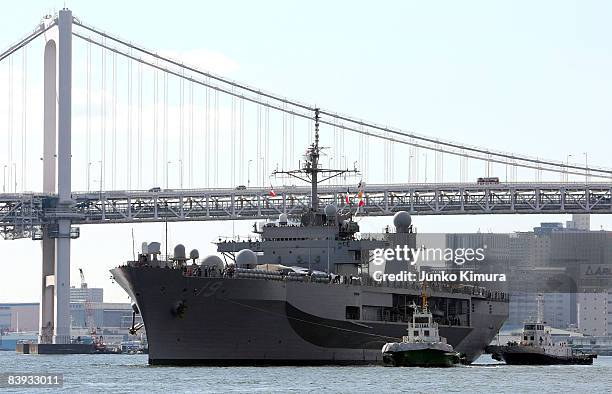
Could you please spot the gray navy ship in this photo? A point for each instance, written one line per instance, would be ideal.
(298, 292)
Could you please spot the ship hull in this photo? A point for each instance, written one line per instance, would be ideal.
(226, 321)
(421, 358)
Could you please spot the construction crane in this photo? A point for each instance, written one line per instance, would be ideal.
(89, 314)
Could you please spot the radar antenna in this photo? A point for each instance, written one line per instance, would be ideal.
(310, 171)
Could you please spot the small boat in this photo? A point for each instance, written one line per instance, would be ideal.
(423, 346)
(538, 348)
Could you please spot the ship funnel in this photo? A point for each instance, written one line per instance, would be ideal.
(144, 248)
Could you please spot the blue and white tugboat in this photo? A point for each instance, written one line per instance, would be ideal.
(423, 346)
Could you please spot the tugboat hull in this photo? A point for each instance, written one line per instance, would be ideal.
(421, 358)
(517, 355)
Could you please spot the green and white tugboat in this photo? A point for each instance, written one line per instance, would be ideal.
(423, 346)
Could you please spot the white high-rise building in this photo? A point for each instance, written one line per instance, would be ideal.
(592, 311)
(580, 222)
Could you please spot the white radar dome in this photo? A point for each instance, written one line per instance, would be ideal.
(330, 210)
(246, 258)
(213, 261)
(282, 218)
(194, 254)
(154, 248)
(402, 221)
(179, 252)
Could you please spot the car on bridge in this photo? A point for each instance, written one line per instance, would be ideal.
(488, 181)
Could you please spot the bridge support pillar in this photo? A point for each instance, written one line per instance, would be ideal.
(47, 312)
(62, 284)
(64, 126)
(55, 297)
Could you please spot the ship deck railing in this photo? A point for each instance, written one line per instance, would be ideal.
(195, 270)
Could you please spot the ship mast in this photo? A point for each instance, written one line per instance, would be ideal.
(424, 295)
(310, 171)
(540, 299)
(313, 155)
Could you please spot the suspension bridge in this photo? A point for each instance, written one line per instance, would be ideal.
(147, 138)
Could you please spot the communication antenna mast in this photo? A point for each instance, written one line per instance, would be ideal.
(310, 171)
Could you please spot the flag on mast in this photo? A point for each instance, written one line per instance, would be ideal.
(346, 197)
(272, 193)
(360, 194)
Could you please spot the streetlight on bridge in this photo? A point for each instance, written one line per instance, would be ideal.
(249, 173)
(586, 164)
(181, 172)
(263, 173)
(15, 176)
(167, 164)
(567, 168)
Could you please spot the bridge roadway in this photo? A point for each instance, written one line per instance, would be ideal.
(24, 212)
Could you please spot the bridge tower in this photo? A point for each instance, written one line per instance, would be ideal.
(55, 295)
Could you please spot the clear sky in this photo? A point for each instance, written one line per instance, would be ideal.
(521, 76)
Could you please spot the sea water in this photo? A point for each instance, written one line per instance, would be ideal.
(131, 373)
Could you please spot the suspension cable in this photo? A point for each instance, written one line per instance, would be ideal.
(557, 166)
(165, 138)
(24, 132)
(114, 142)
(194, 70)
(233, 140)
(103, 123)
(40, 29)
(191, 136)
(10, 124)
(348, 118)
(139, 147)
(241, 173)
(155, 121)
(216, 138)
(88, 119)
(207, 138)
(259, 163)
(129, 126)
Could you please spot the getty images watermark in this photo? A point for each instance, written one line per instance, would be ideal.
(412, 256)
